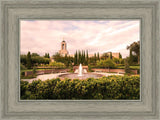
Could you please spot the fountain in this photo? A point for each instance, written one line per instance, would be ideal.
(80, 73)
(80, 70)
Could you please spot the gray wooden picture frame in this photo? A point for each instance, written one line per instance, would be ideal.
(12, 11)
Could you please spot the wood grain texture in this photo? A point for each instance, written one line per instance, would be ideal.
(12, 11)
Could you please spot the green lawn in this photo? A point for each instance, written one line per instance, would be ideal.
(132, 67)
(135, 67)
(32, 69)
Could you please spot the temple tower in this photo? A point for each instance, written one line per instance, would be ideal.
(63, 50)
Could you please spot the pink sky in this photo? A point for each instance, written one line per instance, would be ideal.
(45, 36)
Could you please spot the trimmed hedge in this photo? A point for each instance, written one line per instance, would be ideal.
(110, 88)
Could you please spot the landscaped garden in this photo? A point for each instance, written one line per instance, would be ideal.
(121, 76)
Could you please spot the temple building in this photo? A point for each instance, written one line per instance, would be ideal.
(65, 52)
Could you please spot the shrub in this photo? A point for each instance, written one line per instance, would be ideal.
(57, 64)
(22, 73)
(110, 88)
(22, 67)
(34, 70)
(127, 69)
(108, 63)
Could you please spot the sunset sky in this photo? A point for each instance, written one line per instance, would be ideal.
(45, 36)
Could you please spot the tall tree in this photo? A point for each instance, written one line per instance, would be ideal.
(75, 58)
(98, 56)
(135, 48)
(111, 55)
(29, 62)
(79, 57)
(87, 57)
(48, 55)
(130, 61)
(105, 56)
(95, 57)
(120, 56)
(35, 54)
(84, 57)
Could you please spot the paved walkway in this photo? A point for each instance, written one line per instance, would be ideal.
(44, 77)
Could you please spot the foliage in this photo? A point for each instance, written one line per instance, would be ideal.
(90, 68)
(116, 60)
(67, 60)
(57, 64)
(127, 69)
(111, 87)
(98, 58)
(120, 56)
(24, 87)
(46, 55)
(34, 70)
(80, 57)
(105, 56)
(110, 55)
(83, 58)
(134, 67)
(34, 54)
(38, 60)
(108, 63)
(27, 77)
(22, 67)
(33, 59)
(23, 59)
(134, 49)
(29, 62)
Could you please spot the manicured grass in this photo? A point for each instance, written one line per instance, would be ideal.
(132, 67)
(28, 77)
(32, 70)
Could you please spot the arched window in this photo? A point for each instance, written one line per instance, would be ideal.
(62, 46)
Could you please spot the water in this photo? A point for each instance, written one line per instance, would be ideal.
(81, 74)
(80, 70)
(84, 76)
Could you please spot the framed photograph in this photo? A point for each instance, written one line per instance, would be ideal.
(79, 59)
(97, 62)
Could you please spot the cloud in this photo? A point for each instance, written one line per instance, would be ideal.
(43, 36)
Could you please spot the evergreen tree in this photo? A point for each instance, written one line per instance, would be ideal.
(79, 57)
(87, 57)
(75, 58)
(29, 62)
(48, 55)
(95, 57)
(98, 56)
(84, 58)
(111, 55)
(35, 54)
(120, 56)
